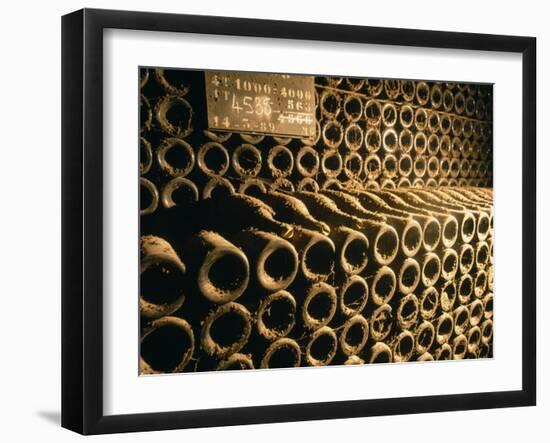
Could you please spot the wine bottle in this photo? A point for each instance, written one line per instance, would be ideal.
(292, 210)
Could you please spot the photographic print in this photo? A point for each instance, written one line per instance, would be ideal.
(292, 220)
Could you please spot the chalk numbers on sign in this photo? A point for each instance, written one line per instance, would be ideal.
(269, 103)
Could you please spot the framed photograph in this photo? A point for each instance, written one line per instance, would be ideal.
(270, 221)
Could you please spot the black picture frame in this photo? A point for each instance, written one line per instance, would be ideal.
(82, 218)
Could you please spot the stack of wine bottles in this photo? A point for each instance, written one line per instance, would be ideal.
(266, 252)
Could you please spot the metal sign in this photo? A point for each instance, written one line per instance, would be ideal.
(261, 103)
